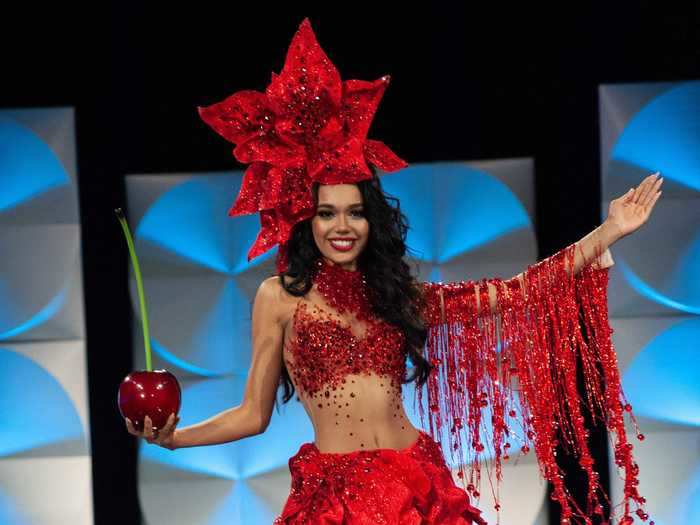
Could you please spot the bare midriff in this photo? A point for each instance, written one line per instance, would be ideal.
(347, 374)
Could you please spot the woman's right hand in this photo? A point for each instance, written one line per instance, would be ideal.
(164, 437)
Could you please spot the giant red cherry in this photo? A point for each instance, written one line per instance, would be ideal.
(155, 394)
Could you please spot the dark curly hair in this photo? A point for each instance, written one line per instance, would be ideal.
(397, 298)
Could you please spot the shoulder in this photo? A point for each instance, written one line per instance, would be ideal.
(272, 287)
(273, 297)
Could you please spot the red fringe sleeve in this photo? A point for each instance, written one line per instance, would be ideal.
(518, 366)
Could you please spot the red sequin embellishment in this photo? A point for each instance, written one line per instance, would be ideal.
(516, 365)
(520, 365)
(307, 126)
(380, 486)
(345, 290)
(326, 348)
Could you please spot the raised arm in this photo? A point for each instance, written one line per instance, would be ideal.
(252, 416)
(443, 298)
(626, 214)
(515, 365)
(593, 249)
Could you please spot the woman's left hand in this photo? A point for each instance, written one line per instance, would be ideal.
(628, 212)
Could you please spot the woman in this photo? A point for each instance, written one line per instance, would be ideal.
(344, 312)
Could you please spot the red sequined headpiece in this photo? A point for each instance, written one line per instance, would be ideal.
(309, 126)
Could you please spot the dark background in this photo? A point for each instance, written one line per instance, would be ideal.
(469, 82)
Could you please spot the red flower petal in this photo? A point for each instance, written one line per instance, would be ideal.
(343, 164)
(307, 92)
(269, 148)
(273, 189)
(314, 130)
(276, 227)
(253, 187)
(382, 157)
(287, 218)
(289, 190)
(267, 236)
(240, 116)
(359, 104)
(296, 190)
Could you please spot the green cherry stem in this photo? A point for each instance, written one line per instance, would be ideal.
(139, 285)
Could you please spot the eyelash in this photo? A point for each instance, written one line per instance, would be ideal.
(321, 213)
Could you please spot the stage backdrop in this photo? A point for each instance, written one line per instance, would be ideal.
(45, 464)
(655, 292)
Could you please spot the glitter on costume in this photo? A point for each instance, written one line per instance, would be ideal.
(308, 126)
(518, 365)
(381, 486)
(326, 349)
(515, 366)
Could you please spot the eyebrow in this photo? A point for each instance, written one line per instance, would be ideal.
(326, 205)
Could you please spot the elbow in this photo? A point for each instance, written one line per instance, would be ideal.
(255, 417)
(265, 422)
(258, 423)
(262, 425)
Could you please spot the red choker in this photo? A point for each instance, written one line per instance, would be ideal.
(344, 290)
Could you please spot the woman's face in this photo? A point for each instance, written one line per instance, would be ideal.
(340, 228)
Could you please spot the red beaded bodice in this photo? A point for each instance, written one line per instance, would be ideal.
(342, 336)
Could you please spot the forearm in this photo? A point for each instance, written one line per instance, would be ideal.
(230, 425)
(593, 245)
(588, 248)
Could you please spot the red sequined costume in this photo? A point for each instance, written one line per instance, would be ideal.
(516, 363)
(519, 363)
(348, 366)
(513, 364)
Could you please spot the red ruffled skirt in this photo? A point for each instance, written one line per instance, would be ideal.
(412, 486)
